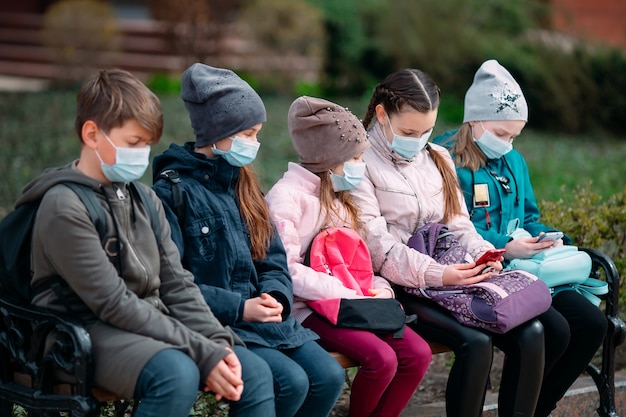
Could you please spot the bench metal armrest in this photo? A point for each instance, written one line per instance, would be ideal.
(46, 360)
(604, 378)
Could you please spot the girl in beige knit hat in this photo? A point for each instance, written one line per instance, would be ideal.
(312, 196)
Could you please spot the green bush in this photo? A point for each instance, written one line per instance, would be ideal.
(592, 222)
(286, 40)
(571, 89)
(80, 35)
(162, 83)
(570, 86)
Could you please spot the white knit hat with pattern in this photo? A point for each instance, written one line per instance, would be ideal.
(494, 95)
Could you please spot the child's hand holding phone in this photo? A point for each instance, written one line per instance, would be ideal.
(553, 236)
(492, 255)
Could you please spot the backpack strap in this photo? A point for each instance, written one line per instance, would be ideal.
(98, 218)
(151, 209)
(96, 213)
(93, 206)
(174, 178)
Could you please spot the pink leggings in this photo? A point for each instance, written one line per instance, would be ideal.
(389, 369)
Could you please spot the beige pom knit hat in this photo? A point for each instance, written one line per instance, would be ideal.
(324, 134)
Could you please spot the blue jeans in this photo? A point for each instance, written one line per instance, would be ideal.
(167, 386)
(307, 380)
(257, 398)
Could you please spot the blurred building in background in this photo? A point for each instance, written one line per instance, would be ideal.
(41, 39)
(64, 39)
(597, 21)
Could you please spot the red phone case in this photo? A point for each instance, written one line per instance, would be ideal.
(490, 255)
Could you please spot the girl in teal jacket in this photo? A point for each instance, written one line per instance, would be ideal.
(497, 189)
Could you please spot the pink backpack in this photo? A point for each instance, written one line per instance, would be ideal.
(343, 255)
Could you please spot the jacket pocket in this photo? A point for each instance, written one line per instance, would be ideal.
(204, 235)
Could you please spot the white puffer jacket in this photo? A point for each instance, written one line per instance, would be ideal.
(396, 198)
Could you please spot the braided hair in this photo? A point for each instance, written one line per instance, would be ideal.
(416, 89)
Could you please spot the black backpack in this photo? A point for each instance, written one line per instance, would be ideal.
(16, 235)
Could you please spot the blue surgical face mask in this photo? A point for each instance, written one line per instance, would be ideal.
(130, 163)
(242, 152)
(353, 173)
(492, 146)
(408, 146)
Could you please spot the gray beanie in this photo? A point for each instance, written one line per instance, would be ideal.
(219, 103)
(494, 95)
(324, 134)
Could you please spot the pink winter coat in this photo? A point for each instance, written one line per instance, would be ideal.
(396, 198)
(295, 209)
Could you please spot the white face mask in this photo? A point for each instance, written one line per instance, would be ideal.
(492, 146)
(353, 173)
(130, 163)
(408, 146)
(241, 153)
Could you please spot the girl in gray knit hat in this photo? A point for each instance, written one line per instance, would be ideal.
(313, 196)
(409, 183)
(498, 192)
(220, 222)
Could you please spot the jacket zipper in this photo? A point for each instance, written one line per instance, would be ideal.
(121, 196)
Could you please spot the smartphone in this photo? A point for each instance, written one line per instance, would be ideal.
(491, 255)
(550, 236)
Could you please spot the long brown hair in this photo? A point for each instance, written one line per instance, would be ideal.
(327, 196)
(465, 151)
(254, 211)
(416, 89)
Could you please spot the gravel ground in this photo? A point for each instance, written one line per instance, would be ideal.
(432, 388)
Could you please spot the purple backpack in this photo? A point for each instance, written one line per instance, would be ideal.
(497, 304)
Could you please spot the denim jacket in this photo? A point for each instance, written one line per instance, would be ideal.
(214, 243)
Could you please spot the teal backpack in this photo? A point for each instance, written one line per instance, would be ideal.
(564, 268)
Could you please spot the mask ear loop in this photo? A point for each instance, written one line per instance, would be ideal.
(111, 143)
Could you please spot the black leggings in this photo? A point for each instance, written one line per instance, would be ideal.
(572, 337)
(473, 351)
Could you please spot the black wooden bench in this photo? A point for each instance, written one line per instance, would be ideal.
(47, 368)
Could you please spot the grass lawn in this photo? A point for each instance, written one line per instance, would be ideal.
(36, 131)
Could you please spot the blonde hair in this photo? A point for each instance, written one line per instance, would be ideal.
(464, 150)
(254, 211)
(115, 96)
(416, 89)
(327, 198)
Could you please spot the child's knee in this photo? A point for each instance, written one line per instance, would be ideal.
(336, 375)
(186, 376)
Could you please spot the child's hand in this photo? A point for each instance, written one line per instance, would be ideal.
(524, 248)
(225, 379)
(465, 274)
(380, 292)
(263, 309)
